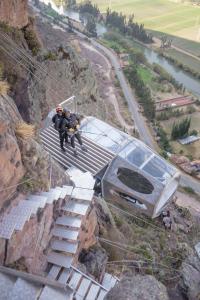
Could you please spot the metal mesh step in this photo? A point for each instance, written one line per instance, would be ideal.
(83, 289)
(76, 208)
(42, 200)
(109, 281)
(56, 192)
(93, 291)
(64, 191)
(69, 221)
(82, 194)
(64, 276)
(6, 285)
(53, 273)
(101, 295)
(75, 279)
(60, 259)
(50, 293)
(64, 233)
(24, 290)
(50, 196)
(64, 246)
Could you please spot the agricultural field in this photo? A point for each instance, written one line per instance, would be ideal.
(165, 16)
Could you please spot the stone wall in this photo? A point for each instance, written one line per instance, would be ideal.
(14, 12)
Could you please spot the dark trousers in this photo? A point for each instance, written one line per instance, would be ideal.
(63, 136)
(78, 137)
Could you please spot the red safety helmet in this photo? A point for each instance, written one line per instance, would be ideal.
(59, 109)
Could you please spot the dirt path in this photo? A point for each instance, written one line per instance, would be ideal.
(102, 63)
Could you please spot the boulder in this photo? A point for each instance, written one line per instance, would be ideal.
(95, 260)
(190, 277)
(138, 288)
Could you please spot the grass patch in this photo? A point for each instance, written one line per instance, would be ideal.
(145, 75)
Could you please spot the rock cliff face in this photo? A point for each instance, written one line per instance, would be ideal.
(14, 12)
(11, 167)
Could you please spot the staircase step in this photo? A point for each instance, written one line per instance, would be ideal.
(53, 273)
(76, 208)
(7, 227)
(50, 293)
(108, 281)
(42, 200)
(93, 291)
(64, 246)
(82, 194)
(59, 259)
(56, 193)
(50, 196)
(75, 279)
(6, 285)
(69, 221)
(84, 181)
(65, 233)
(69, 189)
(24, 290)
(102, 295)
(20, 220)
(64, 276)
(26, 208)
(83, 289)
(65, 191)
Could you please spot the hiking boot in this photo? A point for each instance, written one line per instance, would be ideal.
(83, 148)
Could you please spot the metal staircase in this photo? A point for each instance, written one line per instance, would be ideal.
(16, 285)
(20, 214)
(93, 160)
(65, 234)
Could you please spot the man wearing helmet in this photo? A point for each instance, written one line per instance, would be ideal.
(57, 120)
(71, 124)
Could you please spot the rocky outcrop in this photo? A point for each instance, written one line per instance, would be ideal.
(190, 278)
(95, 259)
(11, 167)
(14, 12)
(138, 287)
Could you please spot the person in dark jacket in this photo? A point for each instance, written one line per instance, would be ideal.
(57, 120)
(71, 124)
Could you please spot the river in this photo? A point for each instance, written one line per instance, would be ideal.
(191, 83)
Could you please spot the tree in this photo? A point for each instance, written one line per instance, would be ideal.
(91, 26)
(181, 129)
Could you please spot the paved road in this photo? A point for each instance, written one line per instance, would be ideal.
(131, 101)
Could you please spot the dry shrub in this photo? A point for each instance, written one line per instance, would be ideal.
(25, 130)
(4, 87)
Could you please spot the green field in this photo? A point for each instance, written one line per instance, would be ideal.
(179, 19)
